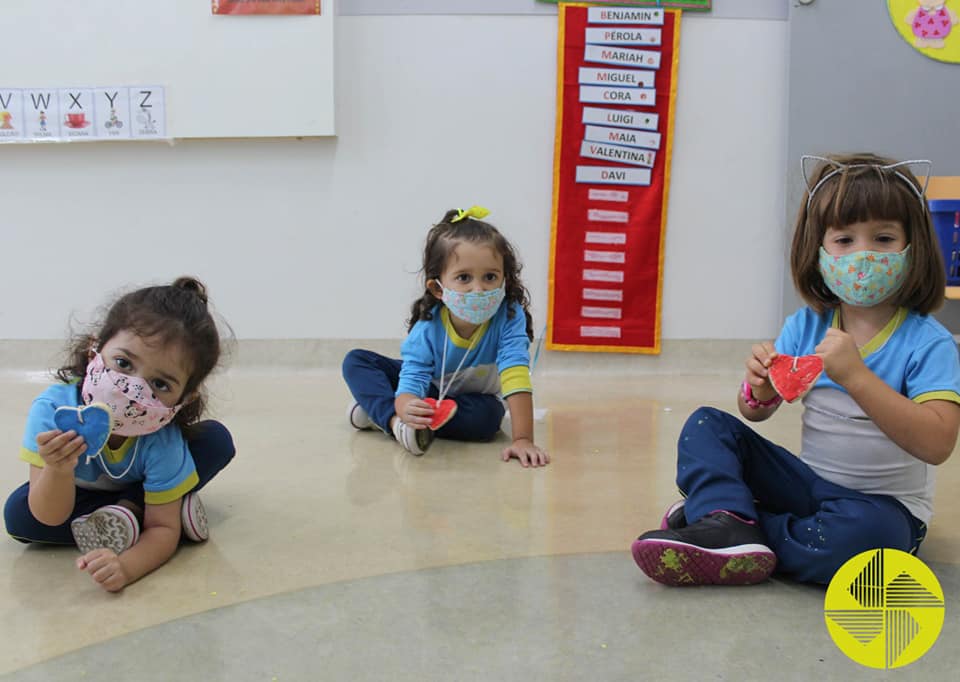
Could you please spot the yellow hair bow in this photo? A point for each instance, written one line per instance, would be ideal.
(478, 212)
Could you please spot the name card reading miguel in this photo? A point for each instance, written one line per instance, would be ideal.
(82, 114)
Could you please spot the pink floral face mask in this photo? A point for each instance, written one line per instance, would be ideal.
(136, 409)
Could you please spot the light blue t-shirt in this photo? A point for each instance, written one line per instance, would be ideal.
(161, 461)
(496, 359)
(914, 355)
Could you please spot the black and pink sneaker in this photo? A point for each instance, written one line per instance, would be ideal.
(719, 549)
(674, 517)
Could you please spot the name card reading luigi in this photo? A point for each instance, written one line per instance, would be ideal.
(621, 118)
(76, 114)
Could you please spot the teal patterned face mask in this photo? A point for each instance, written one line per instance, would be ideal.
(864, 278)
(475, 307)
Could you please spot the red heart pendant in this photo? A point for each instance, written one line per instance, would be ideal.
(443, 411)
(792, 377)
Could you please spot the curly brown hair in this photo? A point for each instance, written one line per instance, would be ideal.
(173, 314)
(865, 190)
(443, 239)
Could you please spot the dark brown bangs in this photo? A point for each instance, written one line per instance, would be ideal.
(878, 195)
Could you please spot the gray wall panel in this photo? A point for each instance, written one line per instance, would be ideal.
(722, 9)
(856, 85)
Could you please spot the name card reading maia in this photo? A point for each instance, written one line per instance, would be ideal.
(622, 136)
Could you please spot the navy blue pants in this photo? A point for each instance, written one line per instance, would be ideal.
(373, 380)
(812, 525)
(210, 444)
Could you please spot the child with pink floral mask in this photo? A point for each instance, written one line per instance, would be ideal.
(126, 504)
(468, 342)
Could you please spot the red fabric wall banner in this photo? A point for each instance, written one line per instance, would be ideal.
(615, 101)
(266, 6)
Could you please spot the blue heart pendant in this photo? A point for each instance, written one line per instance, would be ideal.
(92, 422)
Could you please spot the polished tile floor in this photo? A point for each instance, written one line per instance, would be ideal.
(334, 555)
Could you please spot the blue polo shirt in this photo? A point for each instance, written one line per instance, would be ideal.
(161, 461)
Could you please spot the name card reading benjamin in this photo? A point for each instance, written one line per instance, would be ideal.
(624, 15)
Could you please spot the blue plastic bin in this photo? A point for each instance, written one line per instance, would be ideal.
(946, 222)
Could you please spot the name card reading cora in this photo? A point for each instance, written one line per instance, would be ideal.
(594, 94)
(611, 175)
(622, 136)
(622, 56)
(623, 15)
(612, 152)
(627, 78)
(624, 36)
(621, 118)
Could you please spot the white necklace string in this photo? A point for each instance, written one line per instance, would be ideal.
(446, 386)
(106, 469)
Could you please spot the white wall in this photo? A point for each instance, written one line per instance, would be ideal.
(321, 238)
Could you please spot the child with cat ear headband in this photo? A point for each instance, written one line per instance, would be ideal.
(884, 412)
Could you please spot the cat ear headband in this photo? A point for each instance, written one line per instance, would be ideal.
(807, 166)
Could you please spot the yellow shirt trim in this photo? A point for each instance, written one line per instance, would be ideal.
(882, 336)
(165, 496)
(515, 380)
(116, 456)
(455, 338)
(949, 396)
(31, 457)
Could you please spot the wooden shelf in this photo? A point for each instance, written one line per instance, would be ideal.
(953, 293)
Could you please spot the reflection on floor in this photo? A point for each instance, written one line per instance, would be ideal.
(334, 551)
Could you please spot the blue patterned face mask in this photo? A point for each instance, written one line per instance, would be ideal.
(864, 278)
(475, 307)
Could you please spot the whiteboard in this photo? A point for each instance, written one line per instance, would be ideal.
(223, 76)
